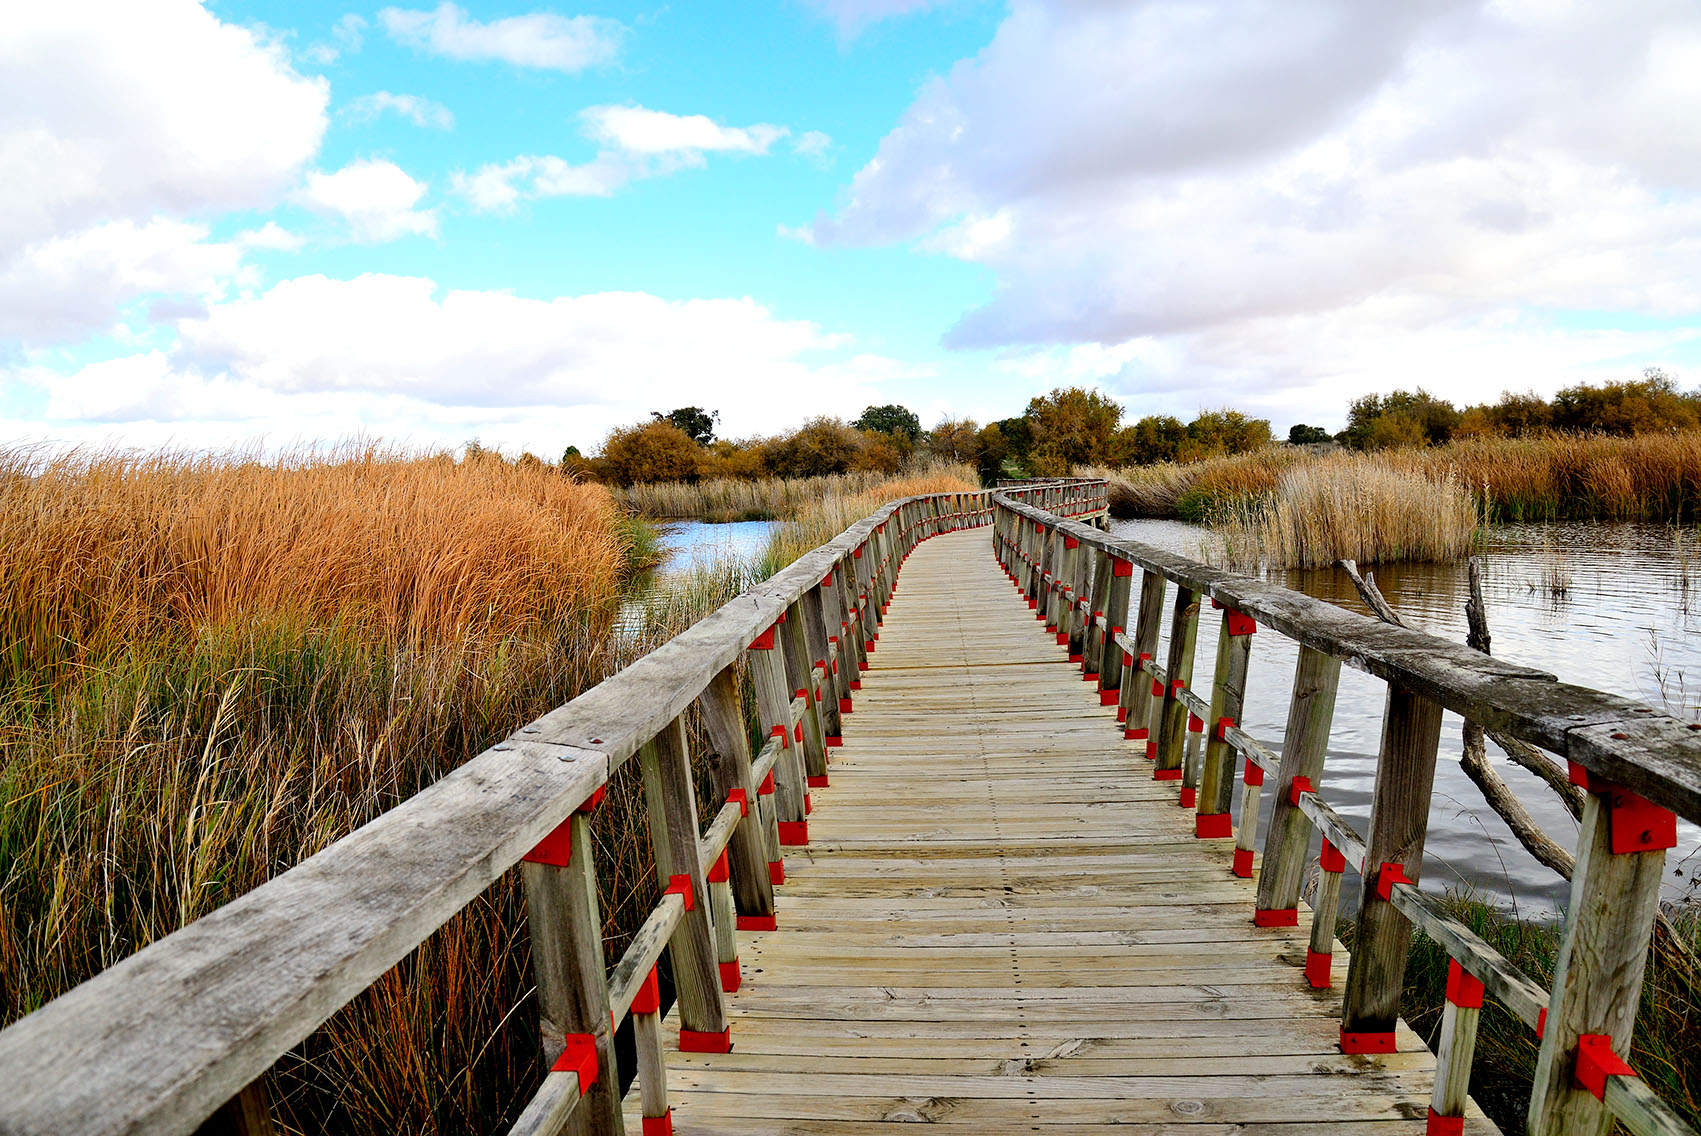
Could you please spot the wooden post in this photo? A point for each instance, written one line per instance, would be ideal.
(248, 1113)
(1136, 705)
(1455, 1047)
(1311, 710)
(1119, 575)
(1092, 635)
(723, 718)
(853, 657)
(1169, 717)
(818, 617)
(1399, 818)
(1191, 760)
(723, 920)
(652, 1063)
(1320, 955)
(1228, 692)
(800, 664)
(670, 793)
(1597, 979)
(560, 882)
(773, 706)
(1080, 591)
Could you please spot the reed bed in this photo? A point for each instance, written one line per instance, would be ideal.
(1342, 509)
(739, 499)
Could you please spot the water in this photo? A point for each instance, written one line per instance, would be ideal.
(1626, 622)
(698, 543)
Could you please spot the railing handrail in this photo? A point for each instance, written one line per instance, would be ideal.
(161, 1039)
(1620, 739)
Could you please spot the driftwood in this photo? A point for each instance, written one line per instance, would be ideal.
(1474, 760)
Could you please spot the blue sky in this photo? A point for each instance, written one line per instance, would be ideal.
(528, 223)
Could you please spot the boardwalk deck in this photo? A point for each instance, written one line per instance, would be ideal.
(1001, 920)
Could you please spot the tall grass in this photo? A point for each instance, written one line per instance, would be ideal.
(740, 499)
(1339, 508)
(213, 667)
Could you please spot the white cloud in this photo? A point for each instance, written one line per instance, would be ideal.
(350, 34)
(271, 236)
(119, 124)
(1294, 194)
(639, 130)
(65, 287)
(812, 144)
(637, 143)
(397, 356)
(376, 197)
(417, 110)
(499, 187)
(541, 40)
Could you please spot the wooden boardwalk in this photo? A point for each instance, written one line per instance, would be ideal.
(1001, 920)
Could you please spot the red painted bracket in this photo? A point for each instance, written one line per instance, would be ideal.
(1070, 542)
(776, 871)
(1189, 798)
(579, 1056)
(1634, 823)
(1300, 785)
(1276, 917)
(1596, 1062)
(845, 703)
(757, 923)
(1195, 724)
(856, 684)
(1464, 989)
(1211, 826)
(1439, 1125)
(827, 580)
(1332, 860)
(1127, 659)
(681, 886)
(659, 1125)
(794, 832)
(732, 976)
(743, 800)
(1375, 1041)
(817, 781)
(1166, 775)
(1151, 749)
(696, 1041)
(1121, 567)
(590, 803)
(808, 807)
(1073, 658)
(1176, 686)
(766, 788)
(1135, 732)
(834, 741)
(1220, 730)
(1254, 773)
(1122, 714)
(1157, 689)
(1243, 863)
(1109, 697)
(556, 849)
(764, 641)
(1387, 876)
(1317, 967)
(1239, 623)
(718, 873)
(648, 998)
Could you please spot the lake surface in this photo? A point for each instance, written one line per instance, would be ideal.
(1627, 622)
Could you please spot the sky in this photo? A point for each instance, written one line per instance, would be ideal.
(261, 223)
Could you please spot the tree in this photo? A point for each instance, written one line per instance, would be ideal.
(1154, 438)
(1636, 406)
(1216, 432)
(1071, 426)
(955, 439)
(1300, 434)
(650, 451)
(820, 446)
(695, 422)
(890, 419)
(1398, 418)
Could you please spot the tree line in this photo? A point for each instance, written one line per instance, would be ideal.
(1072, 427)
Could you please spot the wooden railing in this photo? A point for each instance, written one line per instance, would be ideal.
(1638, 767)
(191, 1023)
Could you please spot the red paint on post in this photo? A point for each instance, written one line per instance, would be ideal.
(1596, 1062)
(757, 923)
(579, 1056)
(1189, 798)
(556, 849)
(718, 873)
(696, 1041)
(1276, 917)
(681, 886)
(1368, 1042)
(1243, 863)
(1300, 785)
(732, 976)
(648, 998)
(1332, 860)
(794, 832)
(1463, 988)
(1439, 1125)
(1387, 876)
(1212, 826)
(1317, 967)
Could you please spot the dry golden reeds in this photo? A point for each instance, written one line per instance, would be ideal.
(742, 499)
(830, 514)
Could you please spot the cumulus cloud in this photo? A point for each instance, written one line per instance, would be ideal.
(111, 144)
(541, 40)
(400, 356)
(417, 110)
(1274, 191)
(636, 143)
(375, 196)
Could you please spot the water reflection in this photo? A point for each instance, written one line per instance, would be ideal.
(1623, 621)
